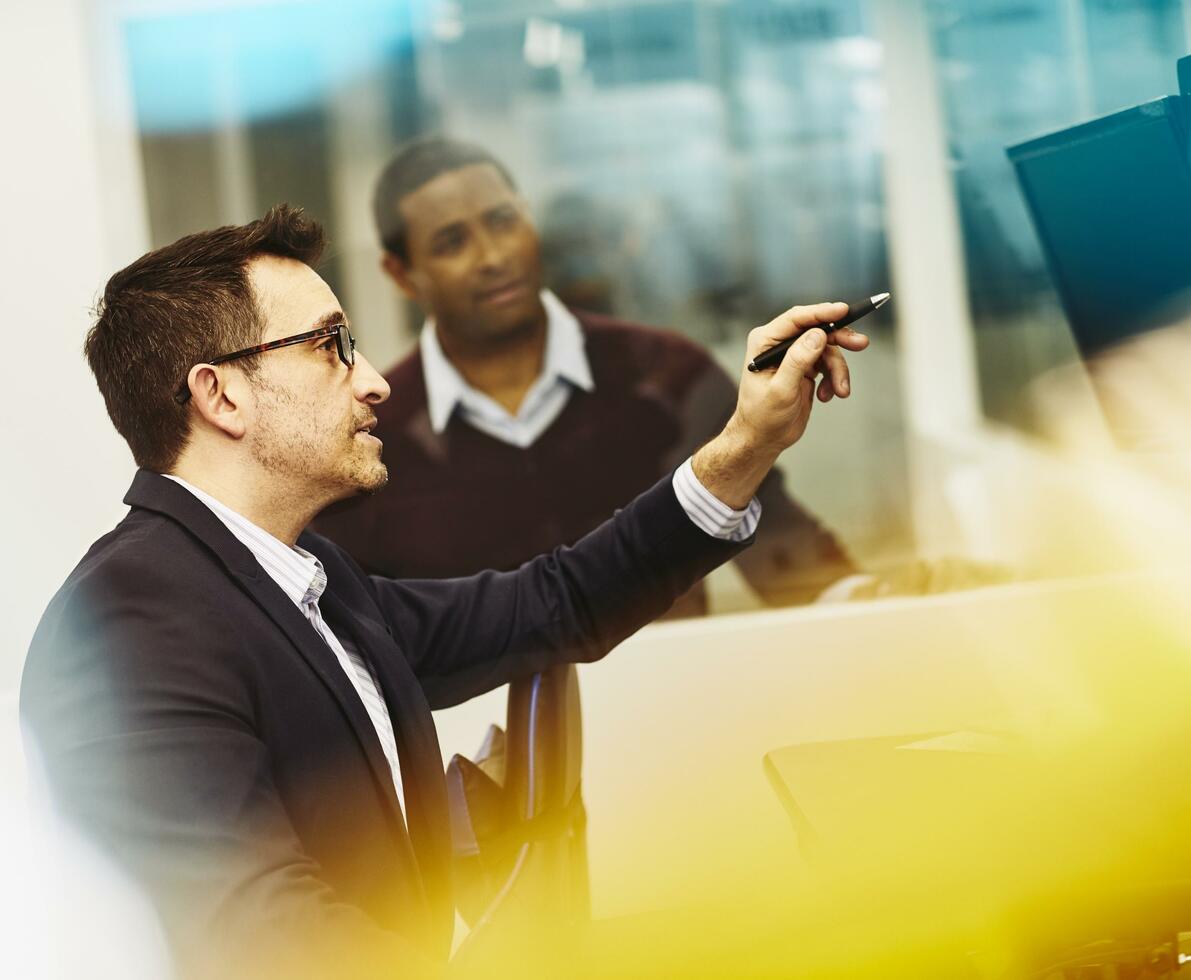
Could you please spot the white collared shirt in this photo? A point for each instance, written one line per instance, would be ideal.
(300, 575)
(564, 368)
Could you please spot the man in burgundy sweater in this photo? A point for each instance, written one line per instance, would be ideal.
(521, 424)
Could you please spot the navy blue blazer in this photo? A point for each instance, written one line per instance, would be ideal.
(197, 728)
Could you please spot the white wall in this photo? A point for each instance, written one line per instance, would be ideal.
(66, 469)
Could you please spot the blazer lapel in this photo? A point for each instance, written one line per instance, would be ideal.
(153, 492)
(417, 741)
(319, 656)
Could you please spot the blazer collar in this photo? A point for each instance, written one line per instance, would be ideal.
(151, 491)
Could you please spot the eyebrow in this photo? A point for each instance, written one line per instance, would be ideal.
(334, 318)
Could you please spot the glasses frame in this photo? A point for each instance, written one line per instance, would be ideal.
(345, 344)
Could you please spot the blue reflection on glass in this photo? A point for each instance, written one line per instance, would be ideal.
(194, 71)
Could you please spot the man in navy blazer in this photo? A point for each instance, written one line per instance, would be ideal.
(229, 706)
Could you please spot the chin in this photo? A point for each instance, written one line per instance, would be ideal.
(512, 322)
(374, 480)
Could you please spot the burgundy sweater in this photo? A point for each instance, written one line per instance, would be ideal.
(463, 501)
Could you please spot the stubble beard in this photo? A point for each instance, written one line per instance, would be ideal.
(370, 476)
(293, 453)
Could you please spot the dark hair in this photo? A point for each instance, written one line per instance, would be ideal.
(416, 163)
(178, 306)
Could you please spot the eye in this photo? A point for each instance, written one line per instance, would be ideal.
(447, 243)
(327, 345)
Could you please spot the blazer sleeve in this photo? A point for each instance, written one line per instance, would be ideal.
(168, 776)
(469, 635)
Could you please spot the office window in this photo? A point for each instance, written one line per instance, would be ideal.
(693, 164)
(1011, 72)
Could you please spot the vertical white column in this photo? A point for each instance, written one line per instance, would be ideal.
(1186, 5)
(361, 143)
(1075, 23)
(233, 151)
(935, 338)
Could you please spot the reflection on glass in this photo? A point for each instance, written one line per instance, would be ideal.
(1012, 72)
(693, 164)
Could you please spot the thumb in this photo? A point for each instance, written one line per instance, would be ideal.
(800, 359)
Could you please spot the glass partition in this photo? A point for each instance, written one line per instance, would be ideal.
(692, 164)
(1009, 73)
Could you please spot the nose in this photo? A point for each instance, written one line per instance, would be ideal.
(368, 386)
(491, 252)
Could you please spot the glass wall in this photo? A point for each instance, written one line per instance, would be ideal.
(698, 164)
(1011, 72)
(692, 164)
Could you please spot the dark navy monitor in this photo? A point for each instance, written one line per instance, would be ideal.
(1111, 202)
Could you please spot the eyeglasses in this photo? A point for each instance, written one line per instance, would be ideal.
(345, 344)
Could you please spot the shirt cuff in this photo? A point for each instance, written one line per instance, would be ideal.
(709, 513)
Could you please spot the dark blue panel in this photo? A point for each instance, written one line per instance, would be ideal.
(1111, 201)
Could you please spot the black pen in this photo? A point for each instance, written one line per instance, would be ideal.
(773, 356)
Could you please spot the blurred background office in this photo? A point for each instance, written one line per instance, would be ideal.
(694, 164)
(698, 164)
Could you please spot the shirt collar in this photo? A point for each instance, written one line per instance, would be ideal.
(565, 358)
(295, 570)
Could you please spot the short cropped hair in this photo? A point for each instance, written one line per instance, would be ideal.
(416, 163)
(178, 306)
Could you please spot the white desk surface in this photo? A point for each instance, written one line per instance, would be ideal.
(678, 719)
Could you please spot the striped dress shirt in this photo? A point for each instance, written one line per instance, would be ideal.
(300, 575)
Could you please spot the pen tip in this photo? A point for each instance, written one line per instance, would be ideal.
(880, 299)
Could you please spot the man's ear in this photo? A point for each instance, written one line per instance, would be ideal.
(216, 403)
(400, 273)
